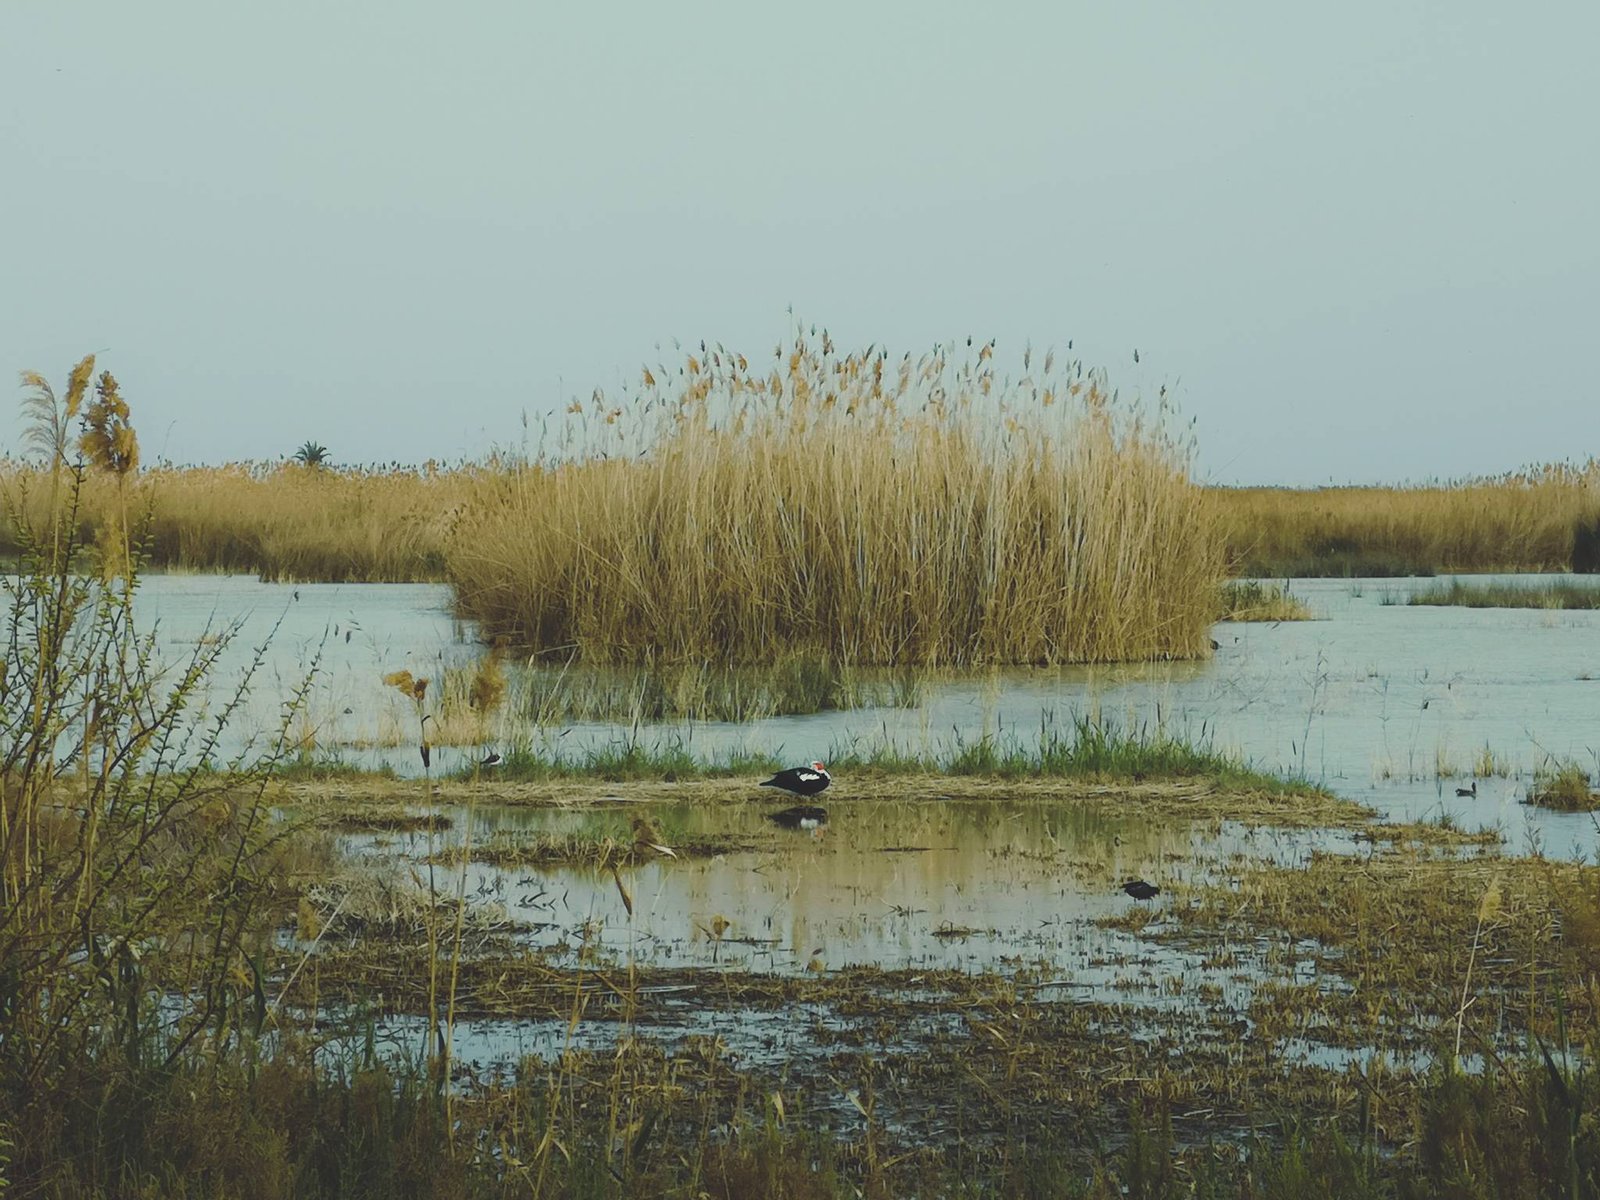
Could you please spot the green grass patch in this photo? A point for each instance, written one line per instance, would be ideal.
(1565, 787)
(1560, 594)
(1085, 749)
(625, 762)
(312, 769)
(1252, 600)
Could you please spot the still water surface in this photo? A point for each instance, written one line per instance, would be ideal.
(1385, 703)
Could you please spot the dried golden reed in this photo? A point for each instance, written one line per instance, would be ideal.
(283, 522)
(1521, 521)
(913, 511)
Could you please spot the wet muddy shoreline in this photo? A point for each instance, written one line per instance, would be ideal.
(1299, 955)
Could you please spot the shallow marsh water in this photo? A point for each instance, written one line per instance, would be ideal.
(964, 885)
(1382, 702)
(927, 940)
(893, 899)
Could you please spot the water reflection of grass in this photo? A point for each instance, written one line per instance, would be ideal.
(795, 683)
(533, 696)
(597, 849)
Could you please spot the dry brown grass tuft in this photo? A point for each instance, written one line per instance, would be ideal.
(921, 511)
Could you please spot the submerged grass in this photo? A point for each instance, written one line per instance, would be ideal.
(1529, 594)
(1252, 600)
(535, 694)
(590, 849)
(922, 511)
(1022, 1092)
(311, 767)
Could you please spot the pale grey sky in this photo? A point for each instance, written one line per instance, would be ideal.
(1362, 239)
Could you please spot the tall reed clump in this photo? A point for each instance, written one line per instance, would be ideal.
(1532, 520)
(919, 511)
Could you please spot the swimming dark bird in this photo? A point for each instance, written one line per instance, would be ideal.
(1140, 890)
(1468, 791)
(802, 781)
(801, 816)
(493, 759)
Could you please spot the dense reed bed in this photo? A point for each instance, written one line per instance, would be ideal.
(880, 511)
(281, 521)
(287, 521)
(290, 521)
(1542, 519)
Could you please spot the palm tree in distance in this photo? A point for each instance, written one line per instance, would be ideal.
(312, 454)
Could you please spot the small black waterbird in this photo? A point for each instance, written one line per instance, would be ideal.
(1468, 791)
(1140, 890)
(801, 816)
(802, 781)
(492, 759)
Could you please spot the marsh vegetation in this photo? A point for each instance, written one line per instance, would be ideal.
(1519, 594)
(228, 968)
(1565, 786)
(292, 521)
(890, 511)
(1542, 519)
(1252, 600)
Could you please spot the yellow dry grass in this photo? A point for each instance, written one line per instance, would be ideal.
(289, 522)
(284, 522)
(1523, 521)
(914, 511)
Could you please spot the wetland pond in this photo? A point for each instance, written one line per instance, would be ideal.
(943, 930)
(1384, 703)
